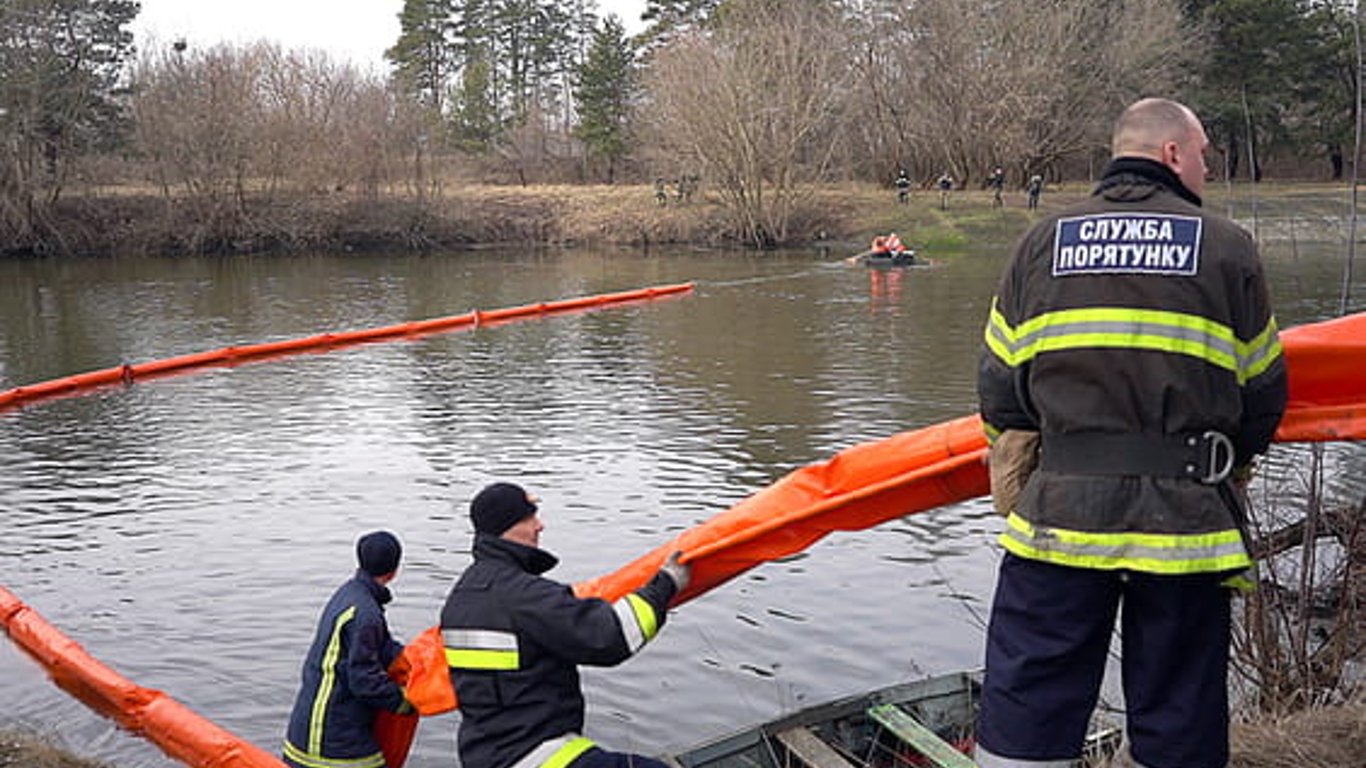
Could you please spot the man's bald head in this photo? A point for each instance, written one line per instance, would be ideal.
(1167, 132)
(1148, 124)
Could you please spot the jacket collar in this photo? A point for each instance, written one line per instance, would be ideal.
(1130, 170)
(530, 559)
(380, 592)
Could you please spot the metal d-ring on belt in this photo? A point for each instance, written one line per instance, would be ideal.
(1206, 457)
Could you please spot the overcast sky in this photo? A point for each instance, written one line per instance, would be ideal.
(355, 30)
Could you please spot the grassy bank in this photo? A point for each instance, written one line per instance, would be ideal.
(123, 220)
(111, 220)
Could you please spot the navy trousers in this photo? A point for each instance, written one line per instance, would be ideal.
(1046, 648)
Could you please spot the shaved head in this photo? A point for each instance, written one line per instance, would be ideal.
(1148, 124)
(1165, 131)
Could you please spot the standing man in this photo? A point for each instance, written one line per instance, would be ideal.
(997, 181)
(1033, 190)
(945, 184)
(1134, 334)
(903, 186)
(345, 682)
(514, 642)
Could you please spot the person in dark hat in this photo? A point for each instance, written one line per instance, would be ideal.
(515, 639)
(345, 679)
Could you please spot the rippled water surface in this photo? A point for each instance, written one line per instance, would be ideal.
(187, 530)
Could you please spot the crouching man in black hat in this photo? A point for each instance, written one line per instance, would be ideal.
(514, 641)
(344, 677)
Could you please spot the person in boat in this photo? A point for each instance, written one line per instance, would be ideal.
(515, 639)
(1156, 380)
(345, 683)
(890, 245)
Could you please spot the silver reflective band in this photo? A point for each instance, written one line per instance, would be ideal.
(479, 639)
(630, 625)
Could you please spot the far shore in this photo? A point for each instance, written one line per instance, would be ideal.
(110, 221)
(116, 221)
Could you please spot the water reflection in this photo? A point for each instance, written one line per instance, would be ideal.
(186, 530)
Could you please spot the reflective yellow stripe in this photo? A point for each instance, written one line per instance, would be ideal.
(991, 432)
(1161, 553)
(318, 761)
(645, 616)
(1262, 351)
(1126, 328)
(556, 752)
(1242, 581)
(568, 753)
(331, 657)
(477, 658)
(470, 648)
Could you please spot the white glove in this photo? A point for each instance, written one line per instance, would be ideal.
(681, 573)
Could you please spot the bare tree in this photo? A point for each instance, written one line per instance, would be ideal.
(756, 104)
(223, 126)
(1025, 83)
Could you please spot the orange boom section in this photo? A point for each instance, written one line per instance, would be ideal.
(943, 464)
(172, 726)
(1327, 365)
(127, 374)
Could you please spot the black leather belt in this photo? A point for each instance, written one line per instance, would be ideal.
(1206, 457)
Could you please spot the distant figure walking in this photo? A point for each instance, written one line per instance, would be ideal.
(945, 184)
(903, 186)
(996, 180)
(1034, 188)
(661, 194)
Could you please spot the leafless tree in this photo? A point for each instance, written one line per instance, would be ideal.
(970, 84)
(227, 124)
(755, 103)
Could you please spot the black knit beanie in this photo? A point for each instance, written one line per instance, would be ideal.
(378, 553)
(499, 507)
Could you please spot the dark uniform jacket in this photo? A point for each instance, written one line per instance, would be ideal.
(1125, 330)
(345, 682)
(514, 640)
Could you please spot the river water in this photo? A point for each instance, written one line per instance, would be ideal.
(187, 530)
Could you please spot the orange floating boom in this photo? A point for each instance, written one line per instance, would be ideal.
(176, 729)
(126, 374)
(878, 481)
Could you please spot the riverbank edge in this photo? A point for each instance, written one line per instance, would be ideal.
(107, 221)
(103, 222)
